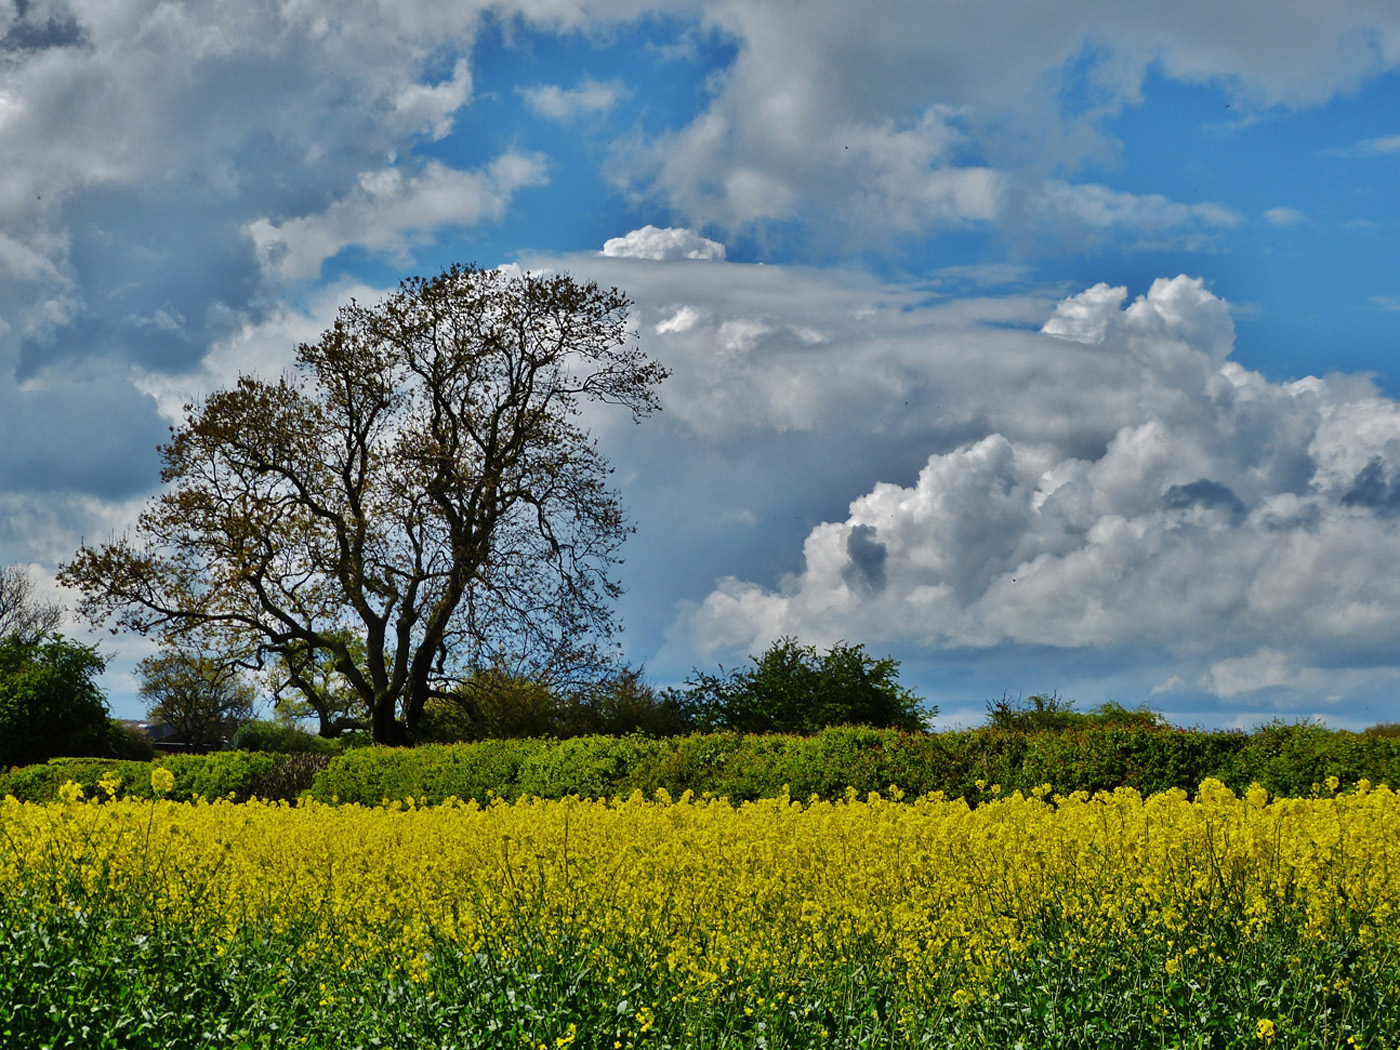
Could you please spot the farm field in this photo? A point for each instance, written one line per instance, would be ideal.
(864, 921)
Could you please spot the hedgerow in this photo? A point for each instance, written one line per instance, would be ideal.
(239, 775)
(1287, 760)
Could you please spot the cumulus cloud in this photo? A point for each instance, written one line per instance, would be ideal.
(1219, 517)
(664, 245)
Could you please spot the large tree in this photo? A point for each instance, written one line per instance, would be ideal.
(416, 497)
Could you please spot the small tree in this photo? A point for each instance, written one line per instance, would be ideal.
(1053, 713)
(624, 703)
(792, 688)
(419, 483)
(492, 703)
(203, 699)
(21, 613)
(50, 703)
(1037, 713)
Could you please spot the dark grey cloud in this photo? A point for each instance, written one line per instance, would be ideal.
(1375, 488)
(165, 273)
(34, 30)
(866, 570)
(96, 437)
(1207, 494)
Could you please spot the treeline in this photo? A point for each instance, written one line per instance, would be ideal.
(977, 765)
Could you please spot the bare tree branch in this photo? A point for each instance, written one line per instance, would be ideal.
(22, 614)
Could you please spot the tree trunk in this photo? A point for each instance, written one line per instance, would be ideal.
(385, 726)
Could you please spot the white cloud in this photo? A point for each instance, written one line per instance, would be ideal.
(1262, 669)
(683, 320)
(390, 209)
(1377, 147)
(1285, 217)
(433, 106)
(1194, 512)
(666, 245)
(563, 104)
(916, 120)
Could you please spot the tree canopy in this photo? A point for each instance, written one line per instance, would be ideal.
(793, 688)
(415, 497)
(50, 703)
(203, 698)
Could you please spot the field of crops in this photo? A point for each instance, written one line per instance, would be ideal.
(1042, 921)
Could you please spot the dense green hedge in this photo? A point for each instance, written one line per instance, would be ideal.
(1286, 759)
(239, 774)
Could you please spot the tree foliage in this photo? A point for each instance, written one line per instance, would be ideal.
(793, 688)
(420, 483)
(200, 696)
(50, 703)
(496, 703)
(21, 613)
(1041, 713)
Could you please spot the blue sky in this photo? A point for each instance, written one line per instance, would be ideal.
(1044, 346)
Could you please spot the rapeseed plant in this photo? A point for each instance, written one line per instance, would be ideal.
(885, 920)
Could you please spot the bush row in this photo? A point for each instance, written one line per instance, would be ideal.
(225, 774)
(1288, 760)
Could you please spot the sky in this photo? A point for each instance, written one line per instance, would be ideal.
(1043, 346)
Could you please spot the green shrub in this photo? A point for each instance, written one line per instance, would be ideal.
(290, 774)
(1289, 760)
(432, 771)
(124, 741)
(792, 688)
(282, 739)
(236, 774)
(492, 704)
(50, 703)
(620, 705)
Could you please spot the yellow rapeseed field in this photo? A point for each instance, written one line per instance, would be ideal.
(930, 893)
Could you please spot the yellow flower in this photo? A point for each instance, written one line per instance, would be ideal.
(71, 792)
(1266, 1030)
(1173, 966)
(162, 780)
(110, 782)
